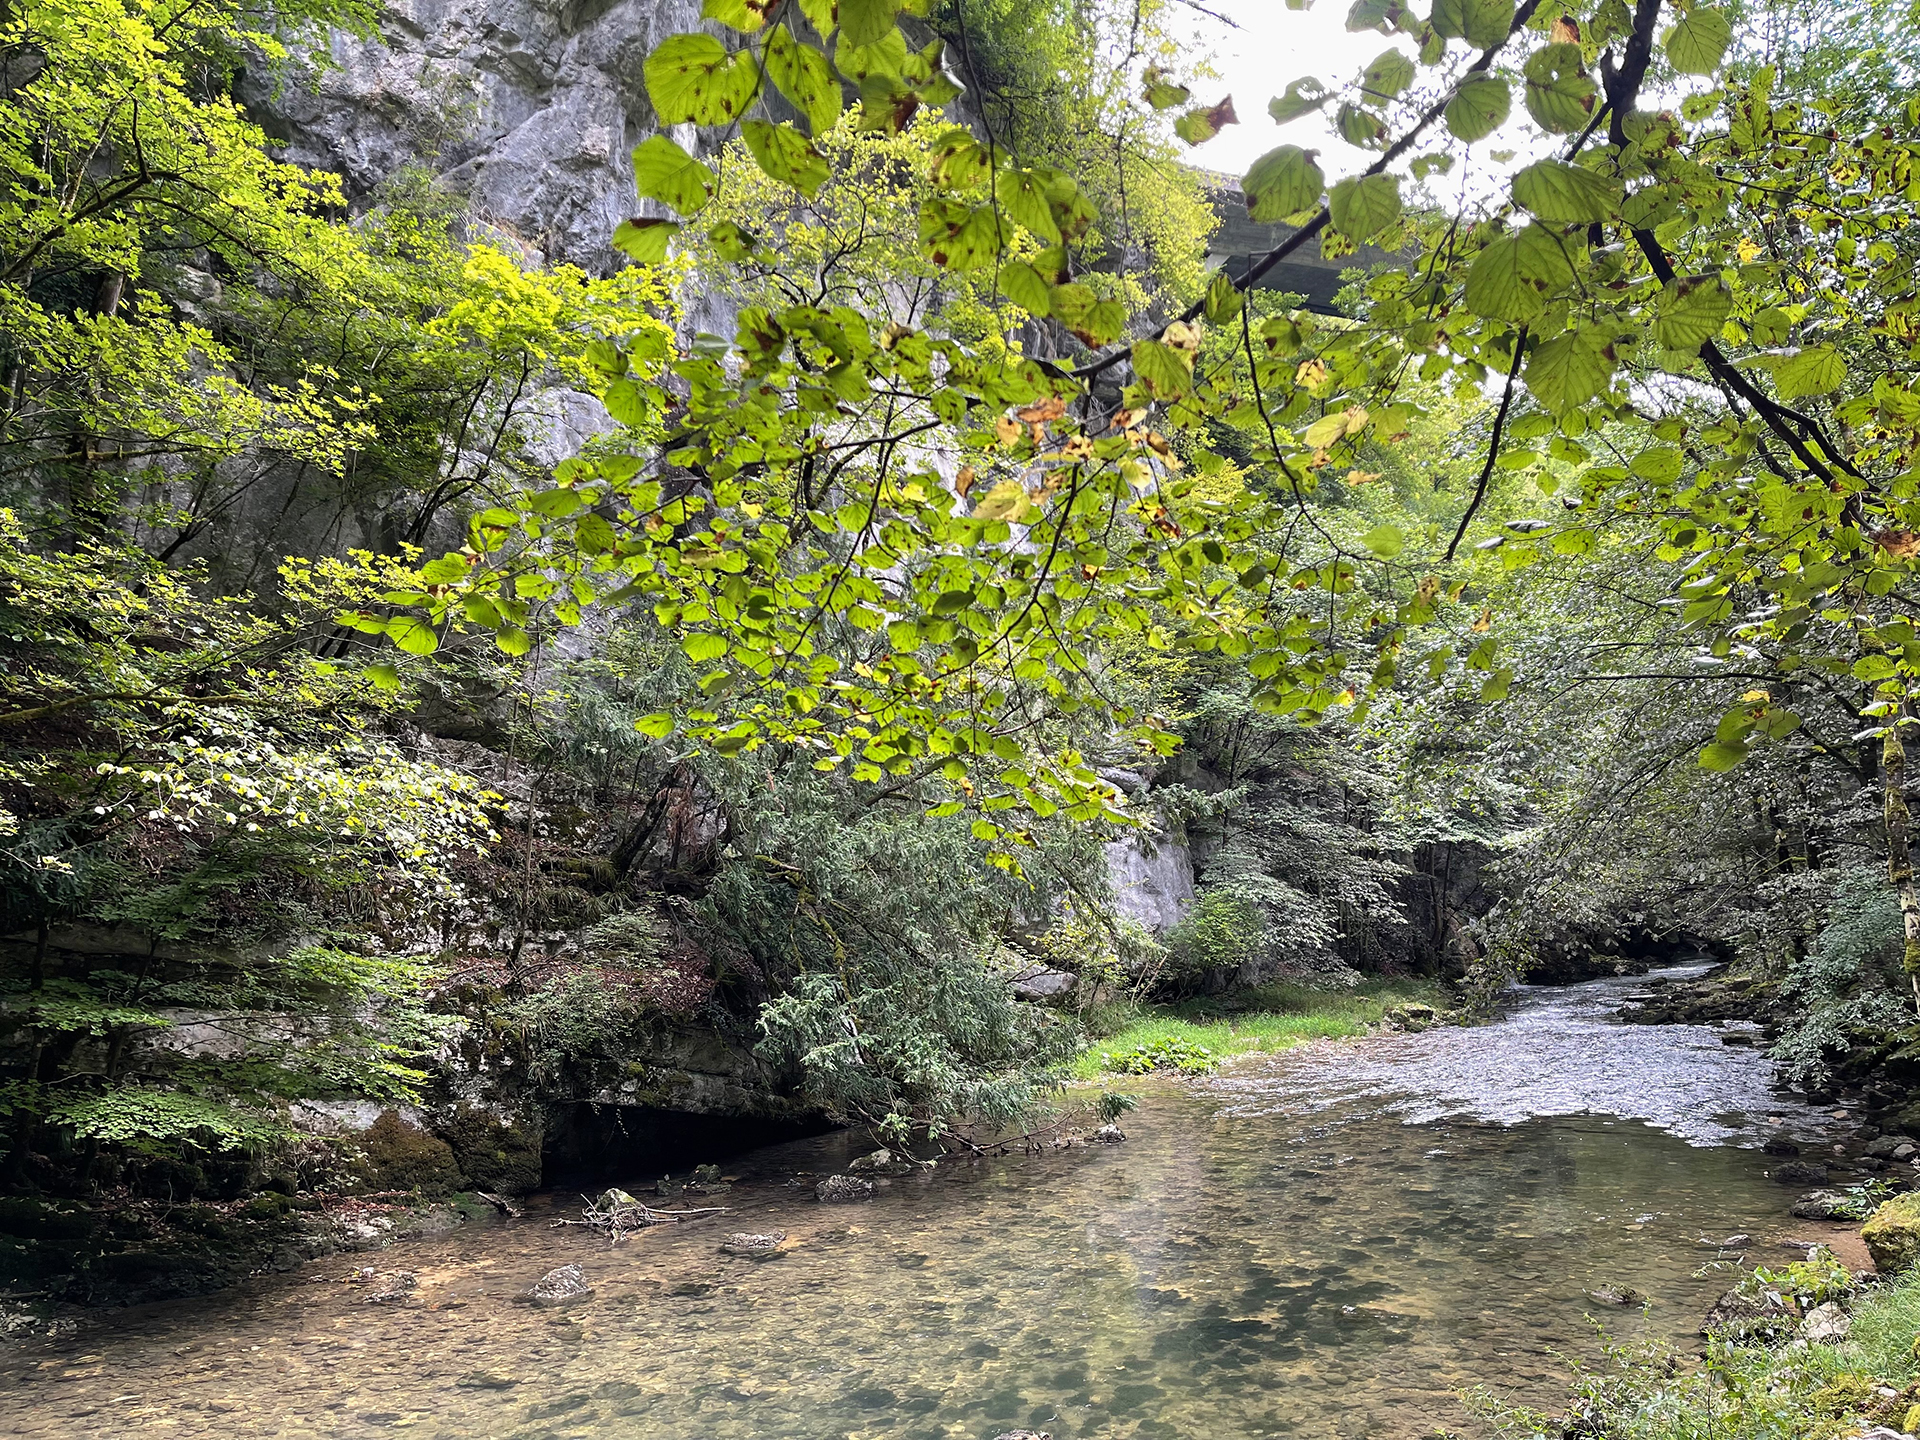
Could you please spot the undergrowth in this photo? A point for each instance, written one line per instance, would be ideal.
(1745, 1391)
(1271, 1017)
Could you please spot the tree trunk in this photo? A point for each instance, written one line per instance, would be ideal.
(1893, 766)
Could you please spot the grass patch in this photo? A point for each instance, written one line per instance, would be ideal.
(1272, 1017)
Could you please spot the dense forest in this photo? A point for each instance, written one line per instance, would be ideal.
(830, 627)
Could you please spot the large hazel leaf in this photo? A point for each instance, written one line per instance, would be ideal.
(786, 155)
(744, 15)
(1567, 371)
(1691, 311)
(1283, 182)
(644, 241)
(663, 171)
(1698, 42)
(1497, 286)
(1479, 107)
(1483, 24)
(1817, 370)
(801, 73)
(956, 237)
(692, 77)
(1565, 194)
(1364, 205)
(867, 22)
(1559, 92)
(1390, 73)
(1303, 97)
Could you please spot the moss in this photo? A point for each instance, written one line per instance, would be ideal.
(1893, 1234)
(397, 1156)
(493, 1154)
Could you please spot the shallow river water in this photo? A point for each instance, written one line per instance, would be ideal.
(1329, 1242)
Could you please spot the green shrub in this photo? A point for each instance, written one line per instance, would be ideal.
(1171, 1053)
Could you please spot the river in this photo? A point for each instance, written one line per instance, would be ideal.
(1328, 1242)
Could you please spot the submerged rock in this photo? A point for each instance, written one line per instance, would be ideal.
(1411, 1016)
(1024, 1435)
(1616, 1295)
(753, 1247)
(843, 1189)
(1893, 1234)
(563, 1286)
(397, 1286)
(1732, 1242)
(1107, 1135)
(1797, 1172)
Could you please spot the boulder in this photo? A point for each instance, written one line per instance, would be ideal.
(564, 1286)
(880, 1162)
(1731, 1242)
(1821, 1205)
(1827, 1324)
(394, 1288)
(843, 1190)
(1796, 1172)
(1411, 1016)
(1043, 982)
(395, 1154)
(753, 1247)
(1893, 1233)
(1108, 1134)
(1778, 1144)
(1737, 1315)
(494, 1154)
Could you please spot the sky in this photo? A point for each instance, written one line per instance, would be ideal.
(1270, 47)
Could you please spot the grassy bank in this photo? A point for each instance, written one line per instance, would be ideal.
(1787, 1390)
(1272, 1017)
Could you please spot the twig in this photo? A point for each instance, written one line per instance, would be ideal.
(1493, 443)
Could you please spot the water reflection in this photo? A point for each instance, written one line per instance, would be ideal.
(1275, 1254)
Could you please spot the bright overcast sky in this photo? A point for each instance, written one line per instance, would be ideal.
(1273, 46)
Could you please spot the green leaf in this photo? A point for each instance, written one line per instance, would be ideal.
(644, 241)
(1167, 372)
(1497, 288)
(730, 242)
(867, 22)
(956, 237)
(1698, 41)
(1661, 464)
(656, 726)
(1283, 182)
(1390, 73)
(1365, 205)
(1566, 194)
(1559, 92)
(1224, 300)
(1023, 197)
(821, 14)
(801, 73)
(1024, 286)
(1483, 24)
(413, 635)
(1095, 321)
(514, 641)
(743, 15)
(692, 77)
(703, 647)
(663, 171)
(383, 677)
(1817, 370)
(1303, 97)
(1162, 93)
(1202, 123)
(1718, 756)
(786, 155)
(1690, 312)
(1569, 370)
(1479, 107)
(1386, 541)
(959, 161)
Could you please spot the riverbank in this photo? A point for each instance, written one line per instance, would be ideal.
(1850, 1365)
(1271, 1018)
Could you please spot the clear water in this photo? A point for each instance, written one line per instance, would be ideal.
(1326, 1243)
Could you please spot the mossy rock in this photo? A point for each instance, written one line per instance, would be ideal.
(397, 1156)
(1893, 1234)
(493, 1154)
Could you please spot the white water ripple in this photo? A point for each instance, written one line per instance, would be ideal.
(1558, 1051)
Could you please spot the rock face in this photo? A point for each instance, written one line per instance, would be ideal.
(563, 1286)
(1893, 1234)
(1152, 877)
(528, 108)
